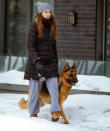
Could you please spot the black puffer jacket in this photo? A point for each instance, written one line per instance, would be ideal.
(45, 48)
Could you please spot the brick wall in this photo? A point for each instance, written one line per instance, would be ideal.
(77, 41)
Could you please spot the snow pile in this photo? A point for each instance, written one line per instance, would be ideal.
(86, 82)
(95, 83)
(13, 77)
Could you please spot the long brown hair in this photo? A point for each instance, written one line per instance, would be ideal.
(53, 31)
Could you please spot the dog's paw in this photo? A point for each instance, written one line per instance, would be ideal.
(66, 122)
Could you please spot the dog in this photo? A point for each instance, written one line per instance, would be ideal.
(66, 79)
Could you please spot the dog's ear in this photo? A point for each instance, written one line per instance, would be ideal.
(66, 67)
(74, 65)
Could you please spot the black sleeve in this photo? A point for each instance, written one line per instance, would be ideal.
(31, 38)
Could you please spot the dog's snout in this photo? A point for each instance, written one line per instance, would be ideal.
(72, 81)
(76, 81)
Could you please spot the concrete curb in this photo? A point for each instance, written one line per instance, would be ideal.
(23, 89)
(13, 88)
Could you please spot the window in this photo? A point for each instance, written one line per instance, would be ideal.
(108, 31)
(16, 27)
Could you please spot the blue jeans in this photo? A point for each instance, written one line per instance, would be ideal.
(34, 89)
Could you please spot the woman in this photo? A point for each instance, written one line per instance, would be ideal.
(42, 60)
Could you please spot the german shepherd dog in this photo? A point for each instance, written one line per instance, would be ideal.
(66, 79)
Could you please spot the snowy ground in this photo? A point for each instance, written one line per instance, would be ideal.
(86, 82)
(84, 112)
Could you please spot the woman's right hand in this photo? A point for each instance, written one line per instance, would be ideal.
(39, 67)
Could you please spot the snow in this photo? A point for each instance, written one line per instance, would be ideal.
(94, 83)
(84, 112)
(86, 82)
(13, 77)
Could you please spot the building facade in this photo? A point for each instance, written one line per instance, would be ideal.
(87, 38)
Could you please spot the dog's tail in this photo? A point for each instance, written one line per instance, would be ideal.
(23, 104)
